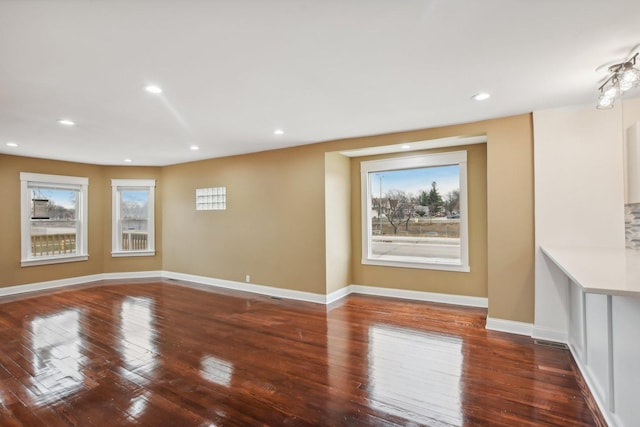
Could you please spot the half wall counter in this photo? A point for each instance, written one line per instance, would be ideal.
(604, 324)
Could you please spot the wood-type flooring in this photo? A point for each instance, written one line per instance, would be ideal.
(164, 353)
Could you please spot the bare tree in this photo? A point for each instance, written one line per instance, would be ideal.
(58, 212)
(410, 211)
(452, 201)
(400, 208)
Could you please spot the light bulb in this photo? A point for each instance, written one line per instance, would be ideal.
(153, 89)
(605, 102)
(624, 86)
(628, 77)
(610, 92)
(482, 96)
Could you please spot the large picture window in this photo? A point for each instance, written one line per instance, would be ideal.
(414, 212)
(133, 217)
(53, 218)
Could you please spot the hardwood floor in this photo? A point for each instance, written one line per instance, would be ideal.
(156, 353)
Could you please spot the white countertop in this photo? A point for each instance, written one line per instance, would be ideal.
(599, 270)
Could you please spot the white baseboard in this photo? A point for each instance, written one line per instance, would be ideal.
(249, 287)
(133, 275)
(333, 296)
(51, 284)
(420, 296)
(547, 334)
(70, 281)
(510, 326)
(338, 295)
(258, 289)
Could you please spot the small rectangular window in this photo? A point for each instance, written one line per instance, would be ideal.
(133, 217)
(54, 218)
(211, 199)
(414, 212)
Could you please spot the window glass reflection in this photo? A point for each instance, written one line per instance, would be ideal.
(415, 374)
(216, 370)
(57, 343)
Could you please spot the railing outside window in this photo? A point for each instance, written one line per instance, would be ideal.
(134, 240)
(53, 244)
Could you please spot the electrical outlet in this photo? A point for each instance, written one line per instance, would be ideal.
(247, 278)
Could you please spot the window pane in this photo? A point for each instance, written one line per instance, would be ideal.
(134, 219)
(415, 215)
(53, 221)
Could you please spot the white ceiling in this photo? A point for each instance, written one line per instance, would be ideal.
(232, 71)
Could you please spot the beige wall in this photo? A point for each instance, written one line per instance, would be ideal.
(473, 283)
(11, 273)
(510, 206)
(510, 227)
(275, 228)
(337, 208)
(272, 229)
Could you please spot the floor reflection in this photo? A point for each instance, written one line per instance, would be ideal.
(138, 405)
(57, 343)
(137, 343)
(157, 354)
(216, 370)
(415, 375)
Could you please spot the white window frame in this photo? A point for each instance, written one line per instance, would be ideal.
(398, 163)
(116, 236)
(81, 184)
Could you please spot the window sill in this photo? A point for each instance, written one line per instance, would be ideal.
(441, 265)
(119, 254)
(53, 260)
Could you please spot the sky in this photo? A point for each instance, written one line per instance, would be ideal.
(415, 180)
(67, 198)
(64, 198)
(140, 197)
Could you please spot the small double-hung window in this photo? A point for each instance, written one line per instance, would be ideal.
(133, 230)
(54, 217)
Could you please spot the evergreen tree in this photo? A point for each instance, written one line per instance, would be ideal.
(435, 202)
(423, 199)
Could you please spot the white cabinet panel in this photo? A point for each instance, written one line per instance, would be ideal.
(626, 358)
(597, 343)
(576, 316)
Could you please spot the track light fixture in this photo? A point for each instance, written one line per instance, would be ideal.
(622, 77)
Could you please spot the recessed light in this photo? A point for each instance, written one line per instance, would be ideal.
(153, 89)
(12, 144)
(194, 148)
(278, 132)
(405, 146)
(66, 122)
(128, 160)
(482, 96)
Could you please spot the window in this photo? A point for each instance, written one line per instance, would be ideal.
(211, 199)
(133, 219)
(54, 216)
(414, 212)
